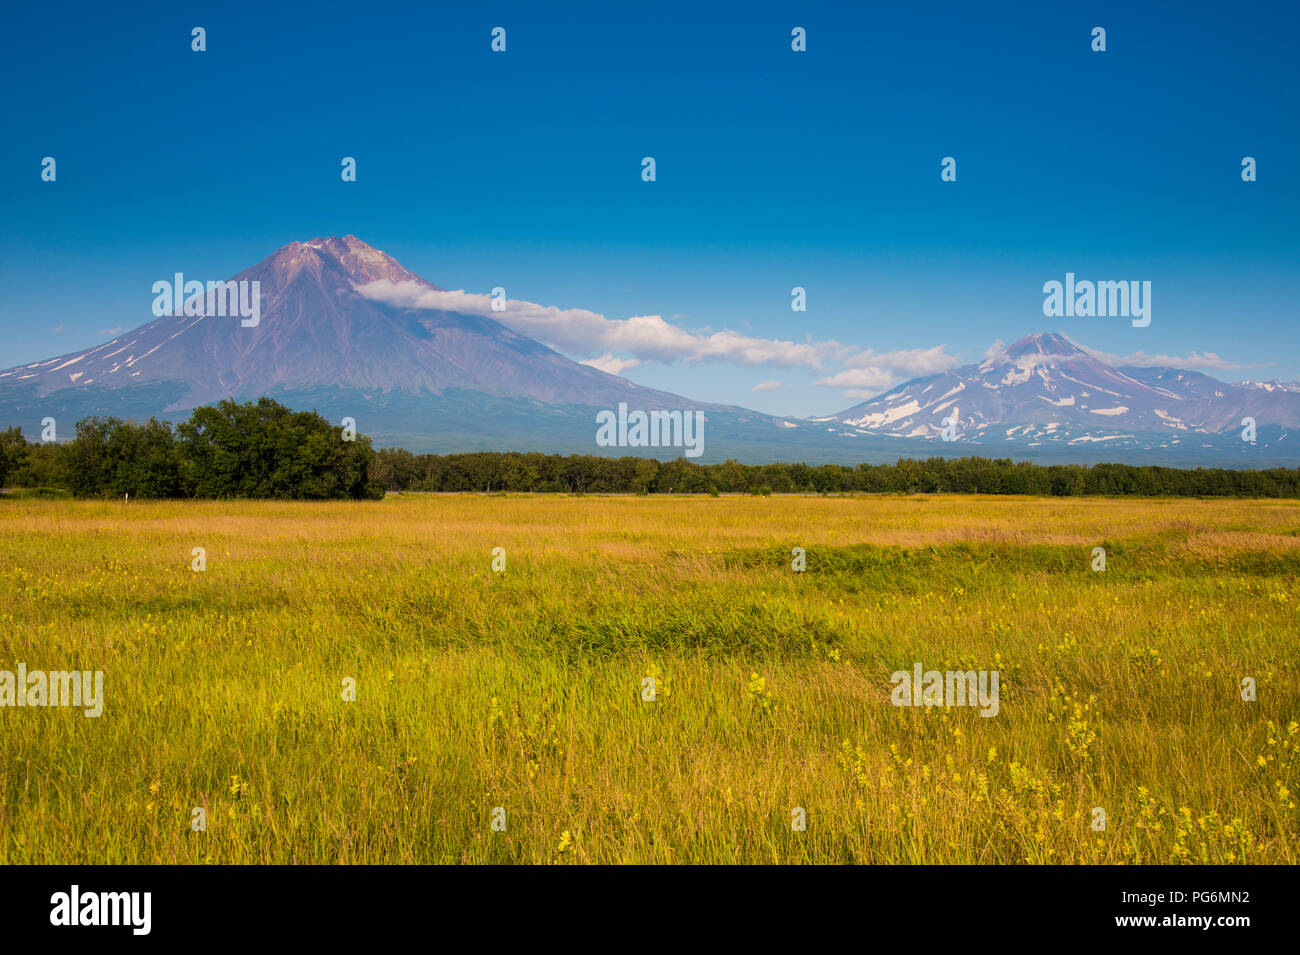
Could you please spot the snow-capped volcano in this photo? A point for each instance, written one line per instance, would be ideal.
(1046, 388)
(415, 372)
(423, 377)
(317, 330)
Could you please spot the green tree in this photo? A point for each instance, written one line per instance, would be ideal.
(13, 453)
(264, 449)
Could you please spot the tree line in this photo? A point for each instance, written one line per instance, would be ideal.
(257, 449)
(400, 470)
(265, 450)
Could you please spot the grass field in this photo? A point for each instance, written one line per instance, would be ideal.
(475, 689)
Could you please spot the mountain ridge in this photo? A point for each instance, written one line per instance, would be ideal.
(316, 329)
(433, 379)
(1045, 387)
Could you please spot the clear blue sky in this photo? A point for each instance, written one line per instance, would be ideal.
(775, 168)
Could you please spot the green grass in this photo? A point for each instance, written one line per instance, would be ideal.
(1120, 690)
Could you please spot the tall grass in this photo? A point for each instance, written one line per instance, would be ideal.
(1120, 690)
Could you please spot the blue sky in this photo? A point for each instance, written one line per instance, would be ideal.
(774, 169)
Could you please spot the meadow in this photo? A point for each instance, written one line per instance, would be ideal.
(225, 689)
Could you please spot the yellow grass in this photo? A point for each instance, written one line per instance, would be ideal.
(224, 689)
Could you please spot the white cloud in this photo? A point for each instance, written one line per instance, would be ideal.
(615, 345)
(1194, 361)
(110, 332)
(874, 379)
(577, 331)
(869, 373)
(996, 348)
(915, 361)
(58, 329)
(614, 366)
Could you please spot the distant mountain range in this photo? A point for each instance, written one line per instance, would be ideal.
(1045, 390)
(433, 380)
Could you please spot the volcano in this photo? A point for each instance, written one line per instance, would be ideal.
(422, 378)
(332, 337)
(317, 330)
(1045, 389)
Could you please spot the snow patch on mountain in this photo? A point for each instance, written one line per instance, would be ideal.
(1047, 388)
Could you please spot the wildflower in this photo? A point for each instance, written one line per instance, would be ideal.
(758, 692)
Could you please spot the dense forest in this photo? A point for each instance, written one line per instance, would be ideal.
(258, 449)
(262, 449)
(396, 469)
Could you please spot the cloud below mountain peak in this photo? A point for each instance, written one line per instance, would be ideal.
(594, 337)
